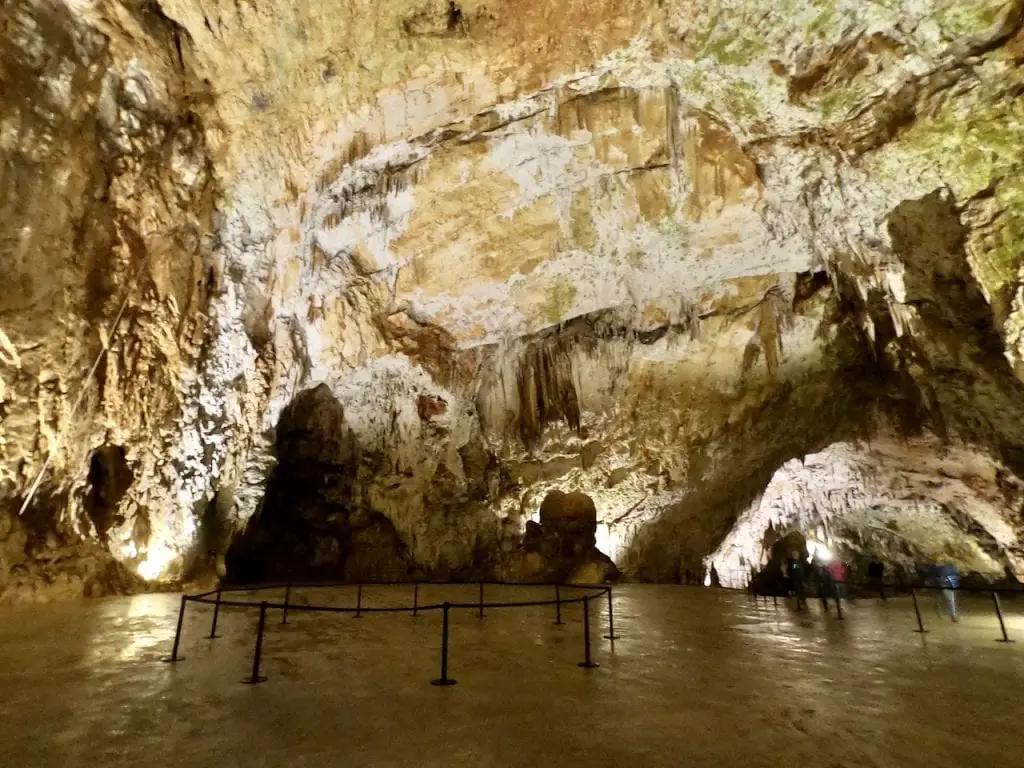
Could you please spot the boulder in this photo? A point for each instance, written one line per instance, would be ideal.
(572, 518)
(561, 547)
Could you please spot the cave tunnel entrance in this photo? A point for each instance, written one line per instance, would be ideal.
(907, 504)
(109, 479)
(312, 523)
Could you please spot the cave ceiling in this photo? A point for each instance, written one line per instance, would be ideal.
(652, 251)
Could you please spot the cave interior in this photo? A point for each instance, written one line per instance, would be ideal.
(473, 293)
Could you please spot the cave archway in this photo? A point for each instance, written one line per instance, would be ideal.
(907, 503)
(312, 522)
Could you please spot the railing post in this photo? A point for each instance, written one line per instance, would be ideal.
(480, 613)
(216, 614)
(558, 606)
(256, 677)
(174, 657)
(444, 679)
(587, 662)
(359, 601)
(917, 610)
(1002, 625)
(611, 620)
(416, 599)
(287, 597)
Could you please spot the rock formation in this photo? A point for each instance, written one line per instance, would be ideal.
(651, 251)
(563, 545)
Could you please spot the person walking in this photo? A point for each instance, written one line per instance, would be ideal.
(797, 573)
(837, 575)
(946, 578)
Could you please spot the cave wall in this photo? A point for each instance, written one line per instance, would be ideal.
(652, 264)
(107, 202)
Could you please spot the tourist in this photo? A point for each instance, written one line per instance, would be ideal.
(947, 580)
(824, 578)
(836, 569)
(715, 580)
(796, 576)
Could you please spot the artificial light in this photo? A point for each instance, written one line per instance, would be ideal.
(817, 550)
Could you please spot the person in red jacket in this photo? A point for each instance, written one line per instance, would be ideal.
(837, 571)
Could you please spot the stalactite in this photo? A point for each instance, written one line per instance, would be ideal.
(547, 392)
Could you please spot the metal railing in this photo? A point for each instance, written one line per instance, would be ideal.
(216, 598)
(830, 590)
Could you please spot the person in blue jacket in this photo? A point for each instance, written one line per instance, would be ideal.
(945, 577)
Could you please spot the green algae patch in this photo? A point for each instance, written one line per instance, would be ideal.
(837, 102)
(581, 221)
(674, 231)
(999, 264)
(735, 47)
(749, 30)
(732, 39)
(695, 82)
(959, 18)
(741, 99)
(559, 300)
(967, 145)
(971, 146)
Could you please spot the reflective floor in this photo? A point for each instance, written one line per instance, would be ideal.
(699, 678)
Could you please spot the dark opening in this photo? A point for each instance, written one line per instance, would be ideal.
(311, 523)
(109, 478)
(547, 392)
(212, 535)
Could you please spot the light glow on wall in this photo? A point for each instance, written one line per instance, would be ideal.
(156, 562)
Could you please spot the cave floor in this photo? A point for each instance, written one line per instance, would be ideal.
(699, 678)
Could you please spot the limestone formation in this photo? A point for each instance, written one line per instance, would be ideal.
(372, 279)
(900, 501)
(571, 517)
(562, 546)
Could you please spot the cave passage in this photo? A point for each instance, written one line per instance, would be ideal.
(904, 504)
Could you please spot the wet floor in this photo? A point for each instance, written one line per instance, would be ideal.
(698, 678)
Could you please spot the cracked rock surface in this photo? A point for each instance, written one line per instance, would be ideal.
(654, 252)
